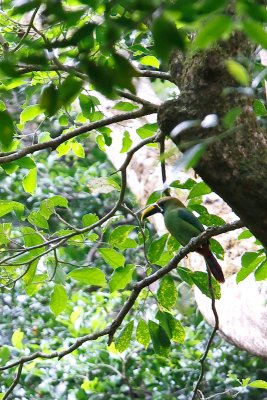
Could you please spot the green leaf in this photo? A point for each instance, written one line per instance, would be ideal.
(261, 271)
(7, 128)
(172, 326)
(49, 100)
(78, 149)
(245, 235)
(2, 106)
(154, 197)
(29, 113)
(87, 104)
(4, 354)
(166, 37)
(185, 275)
(31, 238)
(142, 333)
(55, 273)
(37, 219)
(17, 338)
(199, 189)
(64, 148)
(167, 293)
(89, 219)
(89, 276)
(8, 206)
(121, 277)
(119, 237)
(47, 206)
(126, 142)
(152, 61)
(63, 120)
(125, 106)
(259, 108)
(192, 156)
(29, 182)
(58, 300)
(124, 339)
(230, 118)
(238, 72)
(147, 130)
(211, 220)
(256, 32)
(160, 340)
(249, 261)
(5, 230)
(260, 384)
(69, 90)
(216, 248)
(200, 279)
(214, 29)
(112, 257)
(156, 248)
(188, 184)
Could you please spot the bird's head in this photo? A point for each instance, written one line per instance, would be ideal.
(160, 206)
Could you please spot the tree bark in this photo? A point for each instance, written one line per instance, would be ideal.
(234, 163)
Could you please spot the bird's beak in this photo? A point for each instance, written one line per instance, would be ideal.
(151, 210)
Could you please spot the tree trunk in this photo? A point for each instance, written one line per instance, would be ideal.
(234, 163)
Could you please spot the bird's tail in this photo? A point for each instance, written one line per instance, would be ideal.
(212, 263)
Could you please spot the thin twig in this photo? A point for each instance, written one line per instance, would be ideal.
(27, 31)
(15, 381)
(202, 360)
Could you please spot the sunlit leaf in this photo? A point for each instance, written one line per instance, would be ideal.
(29, 182)
(58, 300)
(249, 261)
(124, 339)
(199, 189)
(238, 72)
(17, 338)
(167, 293)
(29, 113)
(200, 279)
(126, 142)
(142, 333)
(112, 257)
(89, 276)
(152, 61)
(121, 277)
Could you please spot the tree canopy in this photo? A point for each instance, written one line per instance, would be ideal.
(92, 300)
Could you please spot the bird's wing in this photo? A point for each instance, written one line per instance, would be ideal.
(190, 218)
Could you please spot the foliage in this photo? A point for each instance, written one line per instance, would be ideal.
(72, 246)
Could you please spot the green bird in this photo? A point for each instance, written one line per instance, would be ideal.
(183, 225)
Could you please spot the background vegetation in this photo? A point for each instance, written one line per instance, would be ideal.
(76, 264)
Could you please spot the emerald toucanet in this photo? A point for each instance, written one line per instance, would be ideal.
(183, 225)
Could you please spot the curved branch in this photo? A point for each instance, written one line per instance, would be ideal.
(54, 143)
